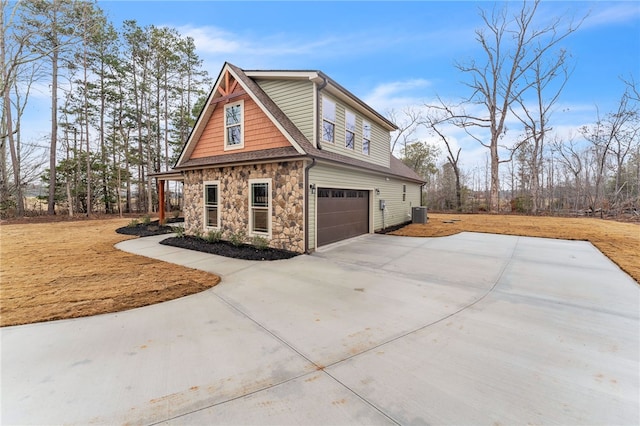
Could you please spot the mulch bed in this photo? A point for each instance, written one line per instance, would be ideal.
(223, 248)
(146, 229)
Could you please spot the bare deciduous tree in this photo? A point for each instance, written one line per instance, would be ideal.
(511, 47)
(546, 79)
(407, 121)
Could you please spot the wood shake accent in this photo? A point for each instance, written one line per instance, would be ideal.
(260, 132)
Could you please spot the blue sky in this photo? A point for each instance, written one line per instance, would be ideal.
(395, 54)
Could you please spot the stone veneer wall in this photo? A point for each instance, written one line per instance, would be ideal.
(287, 201)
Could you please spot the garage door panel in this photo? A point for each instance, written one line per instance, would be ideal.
(342, 213)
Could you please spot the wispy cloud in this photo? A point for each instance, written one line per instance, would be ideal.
(398, 94)
(611, 14)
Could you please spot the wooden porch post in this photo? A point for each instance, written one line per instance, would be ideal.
(160, 201)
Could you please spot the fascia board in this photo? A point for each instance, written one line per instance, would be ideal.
(202, 120)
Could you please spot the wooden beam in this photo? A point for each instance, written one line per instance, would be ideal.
(227, 97)
(161, 201)
(233, 86)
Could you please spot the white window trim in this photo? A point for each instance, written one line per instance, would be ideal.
(204, 204)
(335, 110)
(228, 147)
(346, 129)
(364, 125)
(251, 233)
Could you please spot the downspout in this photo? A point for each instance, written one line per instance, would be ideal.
(306, 204)
(310, 165)
(318, 132)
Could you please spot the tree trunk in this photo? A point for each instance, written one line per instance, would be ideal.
(51, 204)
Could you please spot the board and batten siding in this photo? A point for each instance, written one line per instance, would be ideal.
(380, 138)
(295, 98)
(397, 211)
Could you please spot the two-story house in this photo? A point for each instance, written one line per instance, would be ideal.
(294, 157)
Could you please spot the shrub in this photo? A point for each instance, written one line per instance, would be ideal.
(133, 223)
(146, 219)
(179, 230)
(213, 236)
(259, 242)
(237, 238)
(199, 234)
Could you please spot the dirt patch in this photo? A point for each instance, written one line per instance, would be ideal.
(619, 241)
(71, 269)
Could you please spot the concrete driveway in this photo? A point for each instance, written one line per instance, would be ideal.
(468, 329)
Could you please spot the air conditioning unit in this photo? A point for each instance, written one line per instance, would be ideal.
(419, 215)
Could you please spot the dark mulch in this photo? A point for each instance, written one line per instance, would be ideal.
(392, 228)
(223, 248)
(146, 230)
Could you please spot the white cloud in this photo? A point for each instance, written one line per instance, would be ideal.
(611, 14)
(397, 95)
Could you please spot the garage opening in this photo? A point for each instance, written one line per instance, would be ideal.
(342, 214)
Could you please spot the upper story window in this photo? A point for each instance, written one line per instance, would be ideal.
(350, 130)
(366, 137)
(328, 120)
(234, 125)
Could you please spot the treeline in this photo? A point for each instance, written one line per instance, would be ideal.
(123, 101)
(594, 171)
(519, 79)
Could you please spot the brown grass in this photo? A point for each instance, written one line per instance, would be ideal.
(617, 240)
(61, 270)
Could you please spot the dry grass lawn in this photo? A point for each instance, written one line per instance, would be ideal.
(617, 240)
(60, 270)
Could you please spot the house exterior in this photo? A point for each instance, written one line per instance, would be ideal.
(293, 157)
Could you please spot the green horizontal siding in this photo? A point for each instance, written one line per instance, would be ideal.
(379, 147)
(295, 99)
(397, 211)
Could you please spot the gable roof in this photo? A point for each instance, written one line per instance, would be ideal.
(300, 145)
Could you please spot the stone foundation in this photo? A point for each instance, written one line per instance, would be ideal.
(287, 201)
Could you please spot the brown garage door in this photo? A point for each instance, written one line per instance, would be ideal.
(342, 213)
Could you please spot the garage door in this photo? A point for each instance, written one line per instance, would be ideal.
(342, 213)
